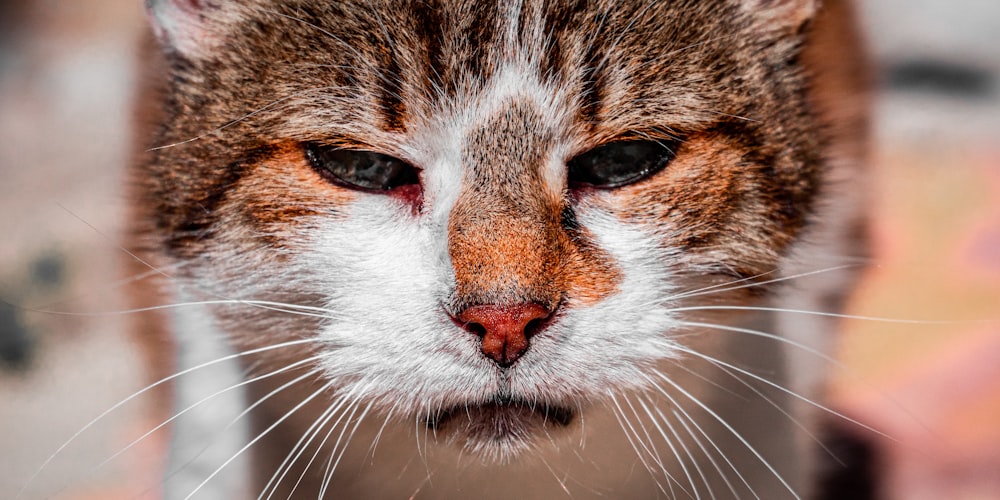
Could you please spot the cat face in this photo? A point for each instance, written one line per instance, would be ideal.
(487, 210)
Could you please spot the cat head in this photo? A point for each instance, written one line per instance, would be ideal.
(490, 207)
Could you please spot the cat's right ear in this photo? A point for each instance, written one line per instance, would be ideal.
(189, 27)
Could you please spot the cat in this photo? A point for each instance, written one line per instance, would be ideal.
(454, 249)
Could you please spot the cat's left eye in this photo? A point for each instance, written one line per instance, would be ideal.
(366, 170)
(620, 163)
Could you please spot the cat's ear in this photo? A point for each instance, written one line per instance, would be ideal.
(781, 14)
(190, 27)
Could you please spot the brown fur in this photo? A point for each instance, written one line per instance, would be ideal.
(757, 101)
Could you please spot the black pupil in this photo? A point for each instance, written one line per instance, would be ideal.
(620, 163)
(362, 169)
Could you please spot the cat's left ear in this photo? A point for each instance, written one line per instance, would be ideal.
(189, 27)
(782, 14)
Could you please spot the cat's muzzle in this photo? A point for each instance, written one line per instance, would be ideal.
(500, 428)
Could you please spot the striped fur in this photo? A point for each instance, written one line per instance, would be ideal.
(489, 101)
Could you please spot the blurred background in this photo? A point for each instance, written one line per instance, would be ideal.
(66, 71)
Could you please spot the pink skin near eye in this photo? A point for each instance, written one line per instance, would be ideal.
(411, 194)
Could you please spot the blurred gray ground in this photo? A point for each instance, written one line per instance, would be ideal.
(65, 79)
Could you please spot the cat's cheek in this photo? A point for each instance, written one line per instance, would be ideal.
(708, 203)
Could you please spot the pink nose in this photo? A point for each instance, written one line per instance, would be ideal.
(504, 329)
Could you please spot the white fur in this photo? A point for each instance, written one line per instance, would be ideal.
(205, 436)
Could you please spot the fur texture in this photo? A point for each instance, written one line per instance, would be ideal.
(633, 386)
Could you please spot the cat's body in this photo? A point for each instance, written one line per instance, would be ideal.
(506, 308)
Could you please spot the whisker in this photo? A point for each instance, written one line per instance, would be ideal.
(846, 370)
(416, 437)
(707, 380)
(354, 430)
(652, 450)
(346, 417)
(201, 402)
(770, 336)
(237, 418)
(722, 475)
(738, 117)
(157, 270)
(261, 304)
(622, 420)
(725, 287)
(296, 452)
(674, 53)
(778, 407)
(832, 361)
(111, 241)
(135, 278)
(343, 403)
(236, 121)
(378, 435)
(790, 392)
(730, 428)
(332, 468)
(834, 315)
(361, 56)
(146, 389)
(325, 32)
(687, 451)
(561, 481)
(670, 444)
(260, 436)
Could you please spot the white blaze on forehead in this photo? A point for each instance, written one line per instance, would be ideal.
(521, 82)
(439, 143)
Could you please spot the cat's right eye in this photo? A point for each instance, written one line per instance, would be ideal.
(364, 170)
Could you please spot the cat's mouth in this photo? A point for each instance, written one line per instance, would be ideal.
(501, 428)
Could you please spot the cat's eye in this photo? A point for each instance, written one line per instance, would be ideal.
(366, 170)
(620, 163)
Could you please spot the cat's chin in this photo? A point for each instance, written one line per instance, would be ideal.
(499, 431)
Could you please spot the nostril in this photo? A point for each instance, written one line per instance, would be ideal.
(504, 329)
(475, 328)
(534, 326)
